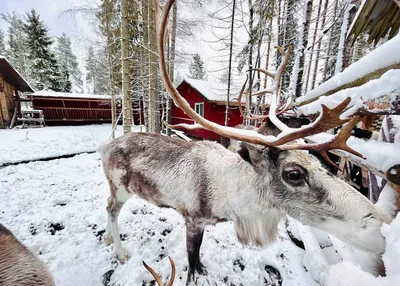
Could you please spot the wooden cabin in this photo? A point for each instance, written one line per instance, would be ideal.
(11, 83)
(72, 107)
(209, 100)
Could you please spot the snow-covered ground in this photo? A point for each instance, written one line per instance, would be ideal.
(35, 143)
(57, 209)
(40, 198)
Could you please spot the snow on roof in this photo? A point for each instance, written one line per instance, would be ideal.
(50, 93)
(11, 75)
(212, 91)
(386, 55)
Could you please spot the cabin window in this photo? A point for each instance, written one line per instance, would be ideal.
(199, 108)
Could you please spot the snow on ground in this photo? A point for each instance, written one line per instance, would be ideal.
(35, 143)
(57, 209)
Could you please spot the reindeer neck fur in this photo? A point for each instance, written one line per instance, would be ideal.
(248, 200)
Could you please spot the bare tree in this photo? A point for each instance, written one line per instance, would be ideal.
(319, 46)
(125, 69)
(308, 4)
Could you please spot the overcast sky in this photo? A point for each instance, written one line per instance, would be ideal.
(52, 13)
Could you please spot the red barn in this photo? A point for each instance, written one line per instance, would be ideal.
(209, 100)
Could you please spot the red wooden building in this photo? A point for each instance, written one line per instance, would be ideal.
(209, 100)
(71, 107)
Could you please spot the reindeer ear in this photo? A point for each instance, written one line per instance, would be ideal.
(251, 153)
(258, 156)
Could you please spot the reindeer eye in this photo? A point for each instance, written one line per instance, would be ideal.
(294, 174)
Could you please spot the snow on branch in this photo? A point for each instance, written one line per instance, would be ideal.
(379, 155)
(376, 96)
(372, 66)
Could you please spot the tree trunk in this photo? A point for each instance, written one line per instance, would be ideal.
(348, 50)
(289, 36)
(230, 64)
(319, 46)
(279, 36)
(146, 61)
(125, 69)
(341, 58)
(153, 104)
(313, 44)
(306, 27)
(328, 51)
(269, 41)
(250, 51)
(107, 4)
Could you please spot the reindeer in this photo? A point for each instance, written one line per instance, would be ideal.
(255, 187)
(18, 266)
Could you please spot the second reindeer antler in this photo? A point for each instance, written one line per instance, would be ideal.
(157, 278)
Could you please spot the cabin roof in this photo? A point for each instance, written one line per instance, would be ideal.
(211, 91)
(12, 76)
(50, 93)
(377, 18)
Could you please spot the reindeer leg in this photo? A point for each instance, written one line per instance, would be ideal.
(107, 234)
(113, 209)
(194, 238)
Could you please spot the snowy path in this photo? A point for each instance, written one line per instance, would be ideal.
(57, 209)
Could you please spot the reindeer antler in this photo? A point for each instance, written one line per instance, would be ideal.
(328, 119)
(157, 278)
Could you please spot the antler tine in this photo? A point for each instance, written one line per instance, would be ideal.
(338, 142)
(328, 119)
(157, 278)
(264, 71)
(171, 280)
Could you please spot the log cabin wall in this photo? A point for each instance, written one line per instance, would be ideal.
(7, 102)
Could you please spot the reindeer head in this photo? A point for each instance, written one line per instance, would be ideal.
(297, 184)
(294, 181)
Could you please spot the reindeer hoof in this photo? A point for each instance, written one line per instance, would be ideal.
(122, 256)
(201, 269)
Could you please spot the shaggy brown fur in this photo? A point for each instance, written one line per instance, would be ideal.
(18, 266)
